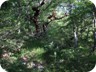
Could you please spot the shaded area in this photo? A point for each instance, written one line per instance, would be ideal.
(47, 36)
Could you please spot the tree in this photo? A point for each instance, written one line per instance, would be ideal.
(47, 35)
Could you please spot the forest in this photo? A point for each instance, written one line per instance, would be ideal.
(48, 35)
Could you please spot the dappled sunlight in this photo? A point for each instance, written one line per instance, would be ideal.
(47, 36)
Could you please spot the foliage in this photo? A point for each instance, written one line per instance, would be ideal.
(47, 36)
